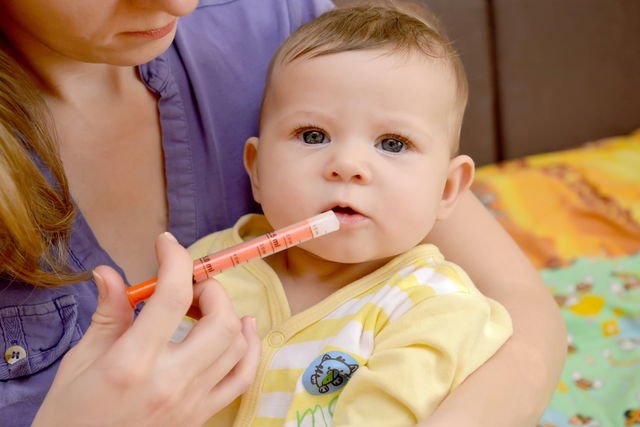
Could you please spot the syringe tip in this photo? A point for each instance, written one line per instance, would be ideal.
(324, 223)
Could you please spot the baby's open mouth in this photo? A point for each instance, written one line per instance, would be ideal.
(347, 215)
(345, 211)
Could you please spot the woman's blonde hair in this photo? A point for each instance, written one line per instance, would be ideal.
(36, 211)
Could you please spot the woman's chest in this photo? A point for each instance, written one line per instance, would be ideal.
(116, 175)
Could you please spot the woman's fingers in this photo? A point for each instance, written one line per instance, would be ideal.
(173, 295)
(240, 378)
(217, 338)
(221, 358)
(223, 351)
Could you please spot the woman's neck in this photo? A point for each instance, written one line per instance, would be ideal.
(67, 80)
(77, 84)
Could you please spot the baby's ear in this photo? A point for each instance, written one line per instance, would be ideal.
(251, 165)
(459, 179)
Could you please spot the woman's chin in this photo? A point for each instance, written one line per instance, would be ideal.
(134, 55)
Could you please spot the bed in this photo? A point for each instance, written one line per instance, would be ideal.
(553, 123)
(576, 214)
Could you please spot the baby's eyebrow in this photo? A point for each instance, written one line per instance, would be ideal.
(286, 117)
(408, 129)
(306, 113)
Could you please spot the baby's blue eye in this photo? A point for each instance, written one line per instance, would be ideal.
(392, 145)
(314, 137)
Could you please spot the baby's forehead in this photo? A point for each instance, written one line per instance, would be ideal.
(441, 68)
(384, 55)
(437, 54)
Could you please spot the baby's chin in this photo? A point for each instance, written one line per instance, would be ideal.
(342, 255)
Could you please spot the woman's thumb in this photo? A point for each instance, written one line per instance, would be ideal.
(113, 315)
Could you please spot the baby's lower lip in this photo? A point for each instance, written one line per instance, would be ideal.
(349, 218)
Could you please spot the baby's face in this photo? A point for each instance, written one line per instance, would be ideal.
(365, 133)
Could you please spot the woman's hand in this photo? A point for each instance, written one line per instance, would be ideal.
(131, 374)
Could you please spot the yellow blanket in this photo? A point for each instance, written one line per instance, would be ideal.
(563, 205)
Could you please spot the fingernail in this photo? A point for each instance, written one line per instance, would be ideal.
(103, 291)
(254, 323)
(170, 236)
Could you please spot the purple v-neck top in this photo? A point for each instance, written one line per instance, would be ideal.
(209, 85)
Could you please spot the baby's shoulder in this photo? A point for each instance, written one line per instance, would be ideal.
(427, 274)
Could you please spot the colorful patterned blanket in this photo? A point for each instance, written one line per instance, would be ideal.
(576, 214)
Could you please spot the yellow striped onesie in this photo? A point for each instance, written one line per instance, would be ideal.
(383, 350)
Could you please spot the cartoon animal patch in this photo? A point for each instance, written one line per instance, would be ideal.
(329, 372)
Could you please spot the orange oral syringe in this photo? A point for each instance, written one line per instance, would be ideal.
(260, 247)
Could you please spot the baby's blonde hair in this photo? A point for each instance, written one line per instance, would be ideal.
(396, 27)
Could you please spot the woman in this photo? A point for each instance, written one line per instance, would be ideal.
(157, 147)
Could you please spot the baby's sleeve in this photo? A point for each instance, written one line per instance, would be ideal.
(420, 358)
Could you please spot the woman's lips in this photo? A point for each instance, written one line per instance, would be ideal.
(156, 33)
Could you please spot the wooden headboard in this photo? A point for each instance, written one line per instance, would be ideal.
(544, 74)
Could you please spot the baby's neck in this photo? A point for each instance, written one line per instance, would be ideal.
(308, 279)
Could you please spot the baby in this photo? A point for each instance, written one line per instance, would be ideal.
(367, 325)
